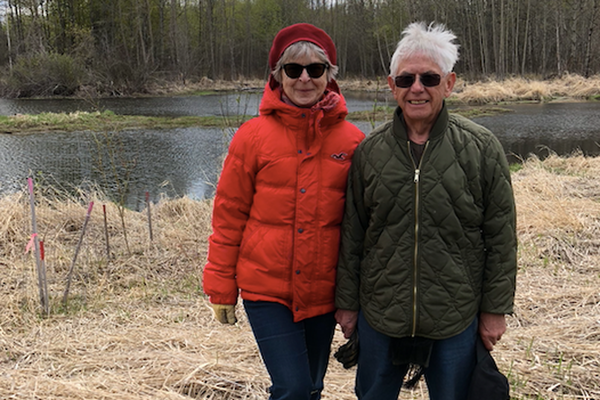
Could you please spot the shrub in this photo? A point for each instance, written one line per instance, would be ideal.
(45, 75)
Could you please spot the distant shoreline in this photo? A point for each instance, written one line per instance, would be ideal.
(488, 91)
(474, 95)
(23, 124)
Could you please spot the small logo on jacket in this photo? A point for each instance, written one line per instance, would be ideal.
(339, 156)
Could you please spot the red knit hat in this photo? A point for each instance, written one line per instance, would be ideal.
(299, 33)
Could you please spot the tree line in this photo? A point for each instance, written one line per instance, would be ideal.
(124, 45)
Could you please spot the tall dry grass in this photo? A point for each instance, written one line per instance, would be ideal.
(137, 325)
(524, 89)
(487, 91)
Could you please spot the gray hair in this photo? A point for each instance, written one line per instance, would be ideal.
(433, 41)
(299, 50)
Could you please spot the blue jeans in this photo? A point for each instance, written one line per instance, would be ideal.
(448, 375)
(296, 354)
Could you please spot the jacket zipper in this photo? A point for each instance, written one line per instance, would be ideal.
(417, 180)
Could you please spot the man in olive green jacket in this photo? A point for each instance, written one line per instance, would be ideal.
(428, 248)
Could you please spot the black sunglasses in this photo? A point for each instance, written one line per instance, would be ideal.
(315, 70)
(406, 80)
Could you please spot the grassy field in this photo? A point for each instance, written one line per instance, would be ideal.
(137, 326)
(104, 121)
(520, 89)
(509, 90)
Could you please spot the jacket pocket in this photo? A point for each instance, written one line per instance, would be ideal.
(269, 247)
(264, 265)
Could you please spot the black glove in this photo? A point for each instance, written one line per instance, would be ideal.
(347, 353)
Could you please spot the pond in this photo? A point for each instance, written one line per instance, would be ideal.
(219, 104)
(129, 163)
(540, 129)
(187, 161)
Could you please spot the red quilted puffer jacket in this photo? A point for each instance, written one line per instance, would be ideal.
(279, 205)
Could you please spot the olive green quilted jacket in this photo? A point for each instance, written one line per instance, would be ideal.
(427, 247)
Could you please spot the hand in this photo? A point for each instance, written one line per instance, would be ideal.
(347, 320)
(347, 354)
(491, 329)
(225, 313)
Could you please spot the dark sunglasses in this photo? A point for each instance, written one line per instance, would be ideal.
(315, 70)
(406, 80)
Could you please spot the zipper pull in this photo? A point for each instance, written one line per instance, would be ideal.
(417, 172)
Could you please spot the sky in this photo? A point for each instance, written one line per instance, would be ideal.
(3, 8)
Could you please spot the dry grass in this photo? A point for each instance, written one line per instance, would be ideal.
(523, 89)
(552, 346)
(138, 327)
(489, 91)
(206, 85)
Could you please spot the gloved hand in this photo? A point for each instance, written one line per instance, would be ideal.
(225, 313)
(347, 354)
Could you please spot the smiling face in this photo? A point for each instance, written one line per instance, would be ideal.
(421, 104)
(304, 91)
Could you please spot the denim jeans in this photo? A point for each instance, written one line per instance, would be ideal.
(448, 375)
(296, 354)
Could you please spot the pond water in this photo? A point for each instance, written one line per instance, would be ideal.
(241, 103)
(187, 161)
(541, 129)
(172, 164)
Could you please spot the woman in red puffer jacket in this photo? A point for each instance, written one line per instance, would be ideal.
(277, 213)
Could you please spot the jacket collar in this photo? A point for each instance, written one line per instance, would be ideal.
(437, 131)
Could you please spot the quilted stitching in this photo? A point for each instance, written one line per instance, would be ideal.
(467, 242)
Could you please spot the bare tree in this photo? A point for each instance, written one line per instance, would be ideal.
(590, 33)
(125, 43)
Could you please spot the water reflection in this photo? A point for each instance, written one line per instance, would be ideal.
(541, 129)
(175, 106)
(165, 163)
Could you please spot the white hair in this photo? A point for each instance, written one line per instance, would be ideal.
(433, 41)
